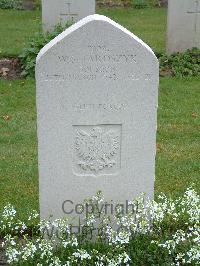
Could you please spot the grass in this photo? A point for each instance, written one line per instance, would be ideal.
(178, 158)
(17, 27)
(148, 24)
(18, 147)
(178, 146)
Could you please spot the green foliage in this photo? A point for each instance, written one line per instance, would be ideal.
(11, 4)
(181, 64)
(139, 3)
(143, 252)
(145, 3)
(16, 30)
(38, 4)
(29, 53)
(17, 4)
(127, 3)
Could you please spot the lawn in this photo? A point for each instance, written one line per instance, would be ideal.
(148, 24)
(17, 27)
(18, 146)
(178, 145)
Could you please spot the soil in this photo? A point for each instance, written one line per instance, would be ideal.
(166, 72)
(10, 68)
(28, 5)
(2, 255)
(163, 3)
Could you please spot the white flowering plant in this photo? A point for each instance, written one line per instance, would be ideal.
(10, 224)
(162, 232)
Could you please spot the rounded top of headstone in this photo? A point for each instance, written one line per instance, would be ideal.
(83, 22)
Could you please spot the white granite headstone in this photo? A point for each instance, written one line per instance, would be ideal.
(65, 11)
(183, 25)
(97, 87)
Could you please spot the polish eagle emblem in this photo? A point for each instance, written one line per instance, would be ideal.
(97, 149)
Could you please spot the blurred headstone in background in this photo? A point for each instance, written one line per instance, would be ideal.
(183, 25)
(63, 12)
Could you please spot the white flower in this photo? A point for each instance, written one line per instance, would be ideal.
(147, 217)
(9, 212)
(46, 249)
(82, 254)
(33, 215)
(98, 197)
(12, 255)
(28, 251)
(90, 220)
(55, 262)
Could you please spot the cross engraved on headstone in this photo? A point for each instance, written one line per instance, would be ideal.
(196, 12)
(68, 14)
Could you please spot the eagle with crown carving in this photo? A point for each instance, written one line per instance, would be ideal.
(97, 149)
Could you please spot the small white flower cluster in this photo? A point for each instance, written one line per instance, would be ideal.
(159, 210)
(188, 208)
(98, 198)
(191, 239)
(119, 260)
(137, 221)
(147, 218)
(33, 215)
(8, 217)
(9, 212)
(82, 254)
(190, 205)
(101, 260)
(11, 224)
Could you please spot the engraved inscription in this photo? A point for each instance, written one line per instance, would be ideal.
(97, 149)
(99, 63)
(95, 58)
(100, 106)
(94, 76)
(98, 48)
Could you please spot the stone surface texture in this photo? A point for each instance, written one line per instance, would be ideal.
(65, 11)
(97, 87)
(183, 25)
